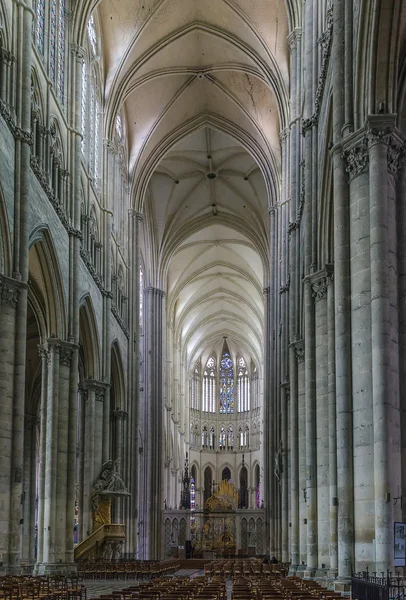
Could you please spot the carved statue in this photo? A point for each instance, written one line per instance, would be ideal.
(108, 551)
(108, 485)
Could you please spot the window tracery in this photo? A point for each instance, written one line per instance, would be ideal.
(209, 382)
(40, 25)
(226, 384)
(243, 387)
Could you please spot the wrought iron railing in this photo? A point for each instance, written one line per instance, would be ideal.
(378, 586)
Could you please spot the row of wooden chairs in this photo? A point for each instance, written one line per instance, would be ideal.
(55, 587)
(245, 568)
(106, 570)
(176, 588)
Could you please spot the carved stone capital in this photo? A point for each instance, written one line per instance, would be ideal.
(294, 37)
(299, 349)
(9, 291)
(78, 52)
(285, 288)
(109, 145)
(357, 157)
(120, 415)
(98, 387)
(65, 355)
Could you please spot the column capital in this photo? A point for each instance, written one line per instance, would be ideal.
(10, 290)
(356, 154)
(120, 415)
(109, 145)
(294, 37)
(78, 51)
(319, 282)
(299, 350)
(152, 290)
(98, 387)
(284, 134)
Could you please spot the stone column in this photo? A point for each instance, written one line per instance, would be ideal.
(28, 518)
(153, 429)
(43, 351)
(22, 17)
(356, 153)
(294, 40)
(9, 296)
(332, 426)
(62, 464)
(300, 355)
(120, 419)
(384, 152)
(73, 205)
(342, 295)
(310, 417)
(51, 455)
(401, 267)
(294, 460)
(89, 476)
(319, 287)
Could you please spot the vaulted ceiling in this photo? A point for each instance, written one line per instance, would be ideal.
(204, 87)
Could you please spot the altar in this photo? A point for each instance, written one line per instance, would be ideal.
(219, 530)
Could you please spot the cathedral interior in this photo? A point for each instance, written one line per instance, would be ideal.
(203, 282)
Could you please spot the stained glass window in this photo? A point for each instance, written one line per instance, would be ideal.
(230, 438)
(52, 41)
(222, 438)
(211, 438)
(119, 127)
(91, 30)
(141, 295)
(226, 384)
(92, 109)
(192, 494)
(61, 50)
(243, 390)
(209, 382)
(254, 387)
(96, 139)
(205, 440)
(195, 388)
(84, 104)
(40, 25)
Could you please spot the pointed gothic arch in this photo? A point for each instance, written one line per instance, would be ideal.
(89, 339)
(45, 282)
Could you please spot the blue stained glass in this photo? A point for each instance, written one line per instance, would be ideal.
(226, 384)
(40, 25)
(52, 42)
(61, 50)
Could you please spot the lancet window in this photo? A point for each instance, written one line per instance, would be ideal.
(91, 105)
(254, 386)
(39, 25)
(226, 384)
(209, 386)
(243, 384)
(195, 388)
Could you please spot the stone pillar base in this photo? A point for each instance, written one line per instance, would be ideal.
(343, 586)
(309, 573)
(55, 568)
(10, 570)
(300, 570)
(332, 574)
(293, 570)
(321, 573)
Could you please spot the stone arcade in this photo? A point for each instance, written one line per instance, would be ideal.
(202, 255)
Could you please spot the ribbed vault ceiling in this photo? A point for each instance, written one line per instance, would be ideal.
(204, 87)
